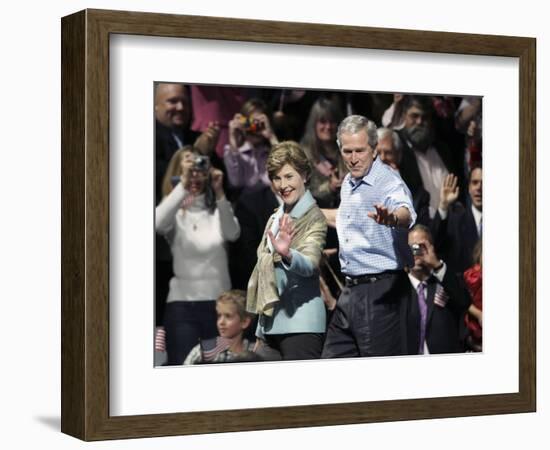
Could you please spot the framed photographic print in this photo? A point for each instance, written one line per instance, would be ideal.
(114, 66)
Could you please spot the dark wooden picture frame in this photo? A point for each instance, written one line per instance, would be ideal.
(85, 224)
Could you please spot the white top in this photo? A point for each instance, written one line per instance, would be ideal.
(477, 218)
(432, 171)
(197, 240)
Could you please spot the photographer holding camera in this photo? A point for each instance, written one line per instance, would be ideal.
(434, 303)
(197, 220)
(250, 140)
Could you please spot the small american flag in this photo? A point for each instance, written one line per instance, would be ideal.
(441, 298)
(160, 340)
(222, 344)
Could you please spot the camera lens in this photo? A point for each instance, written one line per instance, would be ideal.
(202, 163)
(416, 249)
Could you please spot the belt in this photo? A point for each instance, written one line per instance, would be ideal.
(369, 278)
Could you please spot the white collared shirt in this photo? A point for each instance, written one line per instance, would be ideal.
(432, 171)
(477, 217)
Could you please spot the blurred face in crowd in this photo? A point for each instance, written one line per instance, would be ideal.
(255, 138)
(230, 324)
(197, 180)
(172, 107)
(289, 185)
(418, 127)
(357, 153)
(419, 237)
(387, 152)
(475, 188)
(325, 129)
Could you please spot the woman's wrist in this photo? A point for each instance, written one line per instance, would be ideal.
(287, 258)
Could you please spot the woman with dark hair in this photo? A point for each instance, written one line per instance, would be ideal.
(196, 220)
(284, 287)
(319, 144)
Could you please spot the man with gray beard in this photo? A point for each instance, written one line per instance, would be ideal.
(425, 162)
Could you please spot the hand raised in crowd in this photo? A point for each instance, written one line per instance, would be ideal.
(206, 142)
(449, 191)
(266, 130)
(281, 243)
(397, 98)
(216, 176)
(187, 164)
(236, 131)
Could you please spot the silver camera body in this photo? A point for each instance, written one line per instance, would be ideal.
(417, 249)
(201, 163)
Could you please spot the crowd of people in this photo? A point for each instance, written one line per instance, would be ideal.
(301, 224)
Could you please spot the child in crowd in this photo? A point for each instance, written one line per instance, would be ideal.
(232, 321)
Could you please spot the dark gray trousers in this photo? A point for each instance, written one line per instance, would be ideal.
(366, 321)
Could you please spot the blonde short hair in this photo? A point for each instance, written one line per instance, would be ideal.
(237, 298)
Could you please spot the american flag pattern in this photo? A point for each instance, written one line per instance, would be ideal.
(222, 345)
(441, 298)
(160, 339)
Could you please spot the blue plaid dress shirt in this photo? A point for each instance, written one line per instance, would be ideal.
(367, 247)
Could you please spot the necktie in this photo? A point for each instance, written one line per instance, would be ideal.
(179, 142)
(423, 308)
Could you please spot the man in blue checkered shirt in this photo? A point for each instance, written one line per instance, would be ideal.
(375, 213)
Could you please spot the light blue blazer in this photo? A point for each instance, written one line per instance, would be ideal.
(301, 308)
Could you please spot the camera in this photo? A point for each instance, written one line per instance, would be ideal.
(251, 125)
(417, 249)
(201, 163)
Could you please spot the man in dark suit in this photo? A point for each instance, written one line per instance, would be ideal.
(433, 304)
(456, 227)
(425, 159)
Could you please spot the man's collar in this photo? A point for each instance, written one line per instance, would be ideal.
(415, 281)
(476, 213)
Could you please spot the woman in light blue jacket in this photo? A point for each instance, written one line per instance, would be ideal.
(284, 287)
